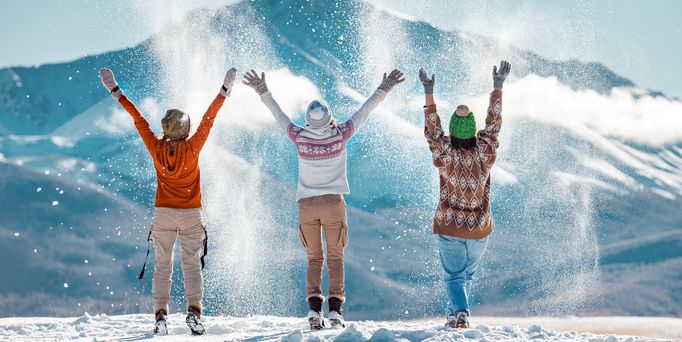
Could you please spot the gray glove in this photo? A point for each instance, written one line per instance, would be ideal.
(391, 80)
(106, 76)
(426, 82)
(500, 75)
(226, 89)
(252, 80)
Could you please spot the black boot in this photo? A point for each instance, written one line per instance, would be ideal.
(335, 317)
(315, 304)
(161, 325)
(315, 317)
(335, 305)
(193, 321)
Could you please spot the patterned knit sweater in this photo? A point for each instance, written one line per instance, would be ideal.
(322, 155)
(464, 205)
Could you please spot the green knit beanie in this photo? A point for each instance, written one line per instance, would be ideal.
(463, 127)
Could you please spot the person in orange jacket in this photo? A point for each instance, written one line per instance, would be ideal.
(177, 208)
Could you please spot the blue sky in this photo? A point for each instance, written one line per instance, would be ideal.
(638, 39)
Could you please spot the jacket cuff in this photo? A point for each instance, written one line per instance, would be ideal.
(381, 93)
(266, 95)
(430, 109)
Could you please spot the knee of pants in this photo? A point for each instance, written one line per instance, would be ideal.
(454, 278)
(334, 258)
(191, 262)
(163, 269)
(317, 257)
(191, 268)
(162, 275)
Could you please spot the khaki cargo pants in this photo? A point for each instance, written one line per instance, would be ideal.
(328, 212)
(167, 225)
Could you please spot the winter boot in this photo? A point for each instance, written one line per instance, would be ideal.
(315, 316)
(458, 321)
(194, 322)
(161, 325)
(335, 317)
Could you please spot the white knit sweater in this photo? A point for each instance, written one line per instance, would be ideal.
(322, 154)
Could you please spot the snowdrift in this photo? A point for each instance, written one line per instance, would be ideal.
(272, 328)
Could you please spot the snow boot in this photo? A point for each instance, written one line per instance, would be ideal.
(193, 321)
(335, 317)
(315, 316)
(161, 325)
(458, 321)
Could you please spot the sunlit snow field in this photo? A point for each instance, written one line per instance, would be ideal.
(271, 328)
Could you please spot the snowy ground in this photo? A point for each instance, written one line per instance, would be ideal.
(262, 328)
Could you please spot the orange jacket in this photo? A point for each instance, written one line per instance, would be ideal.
(177, 175)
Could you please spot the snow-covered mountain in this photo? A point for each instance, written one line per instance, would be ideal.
(586, 191)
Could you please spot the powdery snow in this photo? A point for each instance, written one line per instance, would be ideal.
(270, 328)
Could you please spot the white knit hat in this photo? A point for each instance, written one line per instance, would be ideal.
(318, 114)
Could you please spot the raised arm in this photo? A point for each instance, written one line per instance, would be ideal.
(433, 131)
(487, 137)
(109, 82)
(360, 117)
(199, 138)
(258, 84)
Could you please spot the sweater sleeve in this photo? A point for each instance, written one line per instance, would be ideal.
(487, 137)
(198, 140)
(433, 131)
(282, 119)
(358, 119)
(147, 135)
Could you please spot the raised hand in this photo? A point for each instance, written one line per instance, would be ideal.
(106, 76)
(500, 75)
(230, 76)
(252, 80)
(391, 80)
(426, 81)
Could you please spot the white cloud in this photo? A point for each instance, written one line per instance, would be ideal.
(653, 121)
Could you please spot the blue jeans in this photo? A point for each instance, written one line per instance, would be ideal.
(460, 259)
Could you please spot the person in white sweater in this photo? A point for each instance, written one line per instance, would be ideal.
(321, 147)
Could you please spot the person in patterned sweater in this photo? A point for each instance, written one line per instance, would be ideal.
(321, 147)
(463, 221)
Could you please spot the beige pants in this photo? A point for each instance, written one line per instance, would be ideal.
(328, 212)
(167, 224)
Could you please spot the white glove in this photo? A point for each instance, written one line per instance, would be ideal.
(231, 75)
(109, 82)
(252, 80)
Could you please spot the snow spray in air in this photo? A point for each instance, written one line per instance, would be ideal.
(544, 246)
(247, 262)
